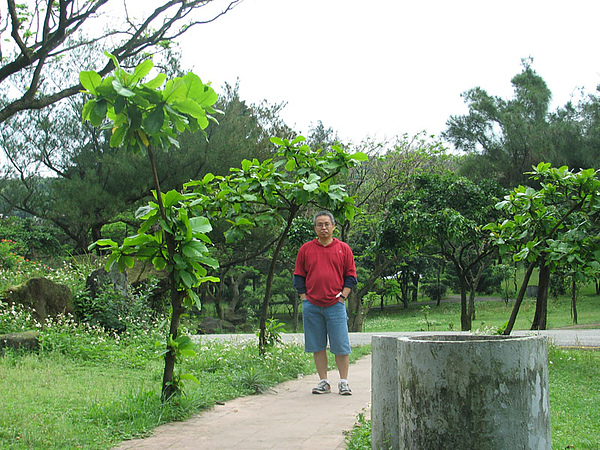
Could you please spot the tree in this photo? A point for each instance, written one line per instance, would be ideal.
(546, 226)
(144, 117)
(387, 174)
(504, 138)
(444, 216)
(45, 31)
(276, 191)
(64, 171)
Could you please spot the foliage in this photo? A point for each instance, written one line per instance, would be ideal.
(443, 216)
(551, 226)
(45, 33)
(273, 332)
(173, 236)
(30, 239)
(276, 191)
(504, 137)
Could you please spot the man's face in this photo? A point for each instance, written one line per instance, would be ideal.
(323, 227)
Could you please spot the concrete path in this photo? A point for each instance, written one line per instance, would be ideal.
(291, 417)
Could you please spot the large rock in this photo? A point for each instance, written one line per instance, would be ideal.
(100, 278)
(44, 296)
(25, 340)
(211, 325)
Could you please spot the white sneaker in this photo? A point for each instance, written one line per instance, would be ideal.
(322, 388)
(344, 388)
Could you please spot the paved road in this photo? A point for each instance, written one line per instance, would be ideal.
(562, 338)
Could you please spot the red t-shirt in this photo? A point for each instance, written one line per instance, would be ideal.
(324, 268)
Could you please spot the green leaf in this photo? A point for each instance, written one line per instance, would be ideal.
(360, 156)
(159, 263)
(189, 377)
(189, 106)
(154, 120)
(200, 224)
(144, 212)
(171, 198)
(90, 80)
(87, 109)
(194, 249)
(290, 165)
(156, 82)
(122, 90)
(116, 139)
(98, 113)
(187, 278)
(106, 243)
(141, 71)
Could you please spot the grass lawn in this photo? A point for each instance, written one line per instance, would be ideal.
(489, 315)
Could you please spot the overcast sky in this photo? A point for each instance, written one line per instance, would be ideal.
(382, 68)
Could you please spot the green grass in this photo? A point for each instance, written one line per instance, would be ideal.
(574, 400)
(489, 314)
(89, 389)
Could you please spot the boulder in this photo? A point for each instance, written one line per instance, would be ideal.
(43, 296)
(25, 340)
(211, 325)
(100, 278)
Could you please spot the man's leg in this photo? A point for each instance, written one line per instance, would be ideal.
(321, 363)
(343, 365)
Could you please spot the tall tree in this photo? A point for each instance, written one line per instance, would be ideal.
(444, 215)
(504, 138)
(542, 228)
(375, 184)
(42, 32)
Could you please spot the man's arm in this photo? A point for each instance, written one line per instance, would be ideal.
(300, 285)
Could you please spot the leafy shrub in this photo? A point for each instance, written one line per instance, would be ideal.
(113, 311)
(435, 291)
(9, 259)
(32, 238)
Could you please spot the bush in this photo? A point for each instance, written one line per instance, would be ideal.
(31, 238)
(435, 291)
(113, 311)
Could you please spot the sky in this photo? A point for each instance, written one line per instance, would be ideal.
(383, 68)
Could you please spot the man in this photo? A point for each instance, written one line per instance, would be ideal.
(325, 274)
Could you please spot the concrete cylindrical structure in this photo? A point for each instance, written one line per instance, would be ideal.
(467, 392)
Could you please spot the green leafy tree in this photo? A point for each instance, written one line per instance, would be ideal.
(444, 216)
(504, 138)
(275, 192)
(387, 174)
(548, 227)
(146, 116)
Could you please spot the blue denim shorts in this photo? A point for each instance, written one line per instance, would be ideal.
(320, 323)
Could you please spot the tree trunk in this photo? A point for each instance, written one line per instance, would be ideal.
(519, 299)
(473, 290)
(168, 388)
(296, 312)
(465, 318)
(415, 290)
(264, 310)
(574, 299)
(356, 309)
(541, 304)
